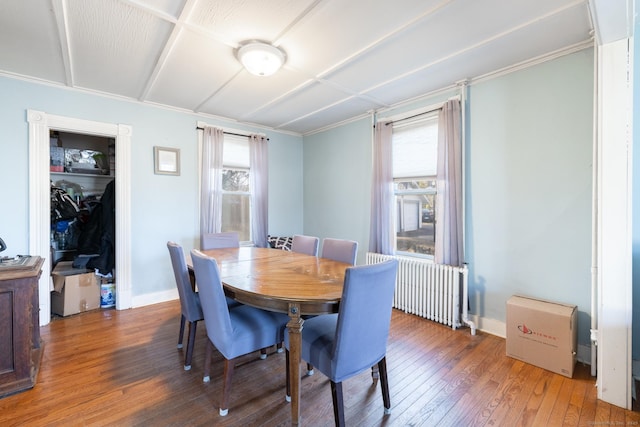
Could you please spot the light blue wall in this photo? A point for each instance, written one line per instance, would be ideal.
(529, 158)
(337, 183)
(528, 183)
(285, 185)
(163, 207)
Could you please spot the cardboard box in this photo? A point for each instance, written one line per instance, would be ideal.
(542, 333)
(75, 290)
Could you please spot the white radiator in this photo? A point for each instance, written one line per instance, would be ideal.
(429, 290)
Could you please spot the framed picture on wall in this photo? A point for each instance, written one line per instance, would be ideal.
(167, 161)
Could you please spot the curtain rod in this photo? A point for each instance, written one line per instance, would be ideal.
(430, 109)
(414, 116)
(229, 133)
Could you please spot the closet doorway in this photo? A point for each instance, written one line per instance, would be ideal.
(40, 126)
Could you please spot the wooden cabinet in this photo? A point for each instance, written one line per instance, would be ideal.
(20, 344)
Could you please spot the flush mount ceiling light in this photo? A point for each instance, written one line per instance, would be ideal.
(259, 58)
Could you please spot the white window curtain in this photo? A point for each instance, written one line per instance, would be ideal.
(449, 240)
(211, 185)
(381, 239)
(258, 177)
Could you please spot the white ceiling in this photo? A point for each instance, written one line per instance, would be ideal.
(344, 57)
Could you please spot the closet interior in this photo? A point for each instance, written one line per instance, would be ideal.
(82, 177)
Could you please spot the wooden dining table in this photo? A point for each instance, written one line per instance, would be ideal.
(286, 282)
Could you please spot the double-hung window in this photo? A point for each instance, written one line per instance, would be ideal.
(236, 190)
(415, 148)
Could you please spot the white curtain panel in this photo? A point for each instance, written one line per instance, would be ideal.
(259, 189)
(211, 186)
(449, 239)
(381, 239)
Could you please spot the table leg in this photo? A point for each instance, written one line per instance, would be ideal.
(295, 343)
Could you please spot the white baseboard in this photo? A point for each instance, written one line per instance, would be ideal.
(154, 298)
(490, 326)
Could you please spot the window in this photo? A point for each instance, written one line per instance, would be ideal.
(415, 154)
(236, 191)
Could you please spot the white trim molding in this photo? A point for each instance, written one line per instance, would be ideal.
(614, 199)
(39, 198)
(155, 298)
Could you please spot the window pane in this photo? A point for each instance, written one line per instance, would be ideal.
(421, 185)
(415, 223)
(235, 180)
(235, 151)
(236, 215)
(415, 149)
(415, 152)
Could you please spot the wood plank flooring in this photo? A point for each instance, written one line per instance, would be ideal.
(122, 368)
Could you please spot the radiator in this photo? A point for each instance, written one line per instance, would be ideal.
(433, 291)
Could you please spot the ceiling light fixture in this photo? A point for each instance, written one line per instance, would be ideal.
(259, 58)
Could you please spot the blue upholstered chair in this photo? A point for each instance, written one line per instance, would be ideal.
(340, 250)
(190, 308)
(234, 332)
(305, 244)
(345, 344)
(228, 239)
(219, 240)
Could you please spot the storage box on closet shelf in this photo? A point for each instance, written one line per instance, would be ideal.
(86, 161)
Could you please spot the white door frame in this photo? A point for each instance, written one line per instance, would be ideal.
(39, 198)
(614, 241)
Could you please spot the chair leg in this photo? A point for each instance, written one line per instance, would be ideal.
(384, 385)
(310, 370)
(207, 361)
(226, 386)
(190, 342)
(375, 374)
(338, 405)
(263, 353)
(182, 321)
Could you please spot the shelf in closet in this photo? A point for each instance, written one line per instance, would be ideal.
(92, 184)
(89, 175)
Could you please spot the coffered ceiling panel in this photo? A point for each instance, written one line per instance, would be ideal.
(343, 58)
(196, 68)
(234, 21)
(483, 59)
(416, 48)
(265, 91)
(114, 46)
(336, 31)
(351, 108)
(29, 43)
(169, 7)
(304, 101)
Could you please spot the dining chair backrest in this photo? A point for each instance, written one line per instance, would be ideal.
(361, 339)
(305, 244)
(340, 250)
(213, 300)
(228, 239)
(188, 298)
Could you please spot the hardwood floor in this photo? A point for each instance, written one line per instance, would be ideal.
(122, 368)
